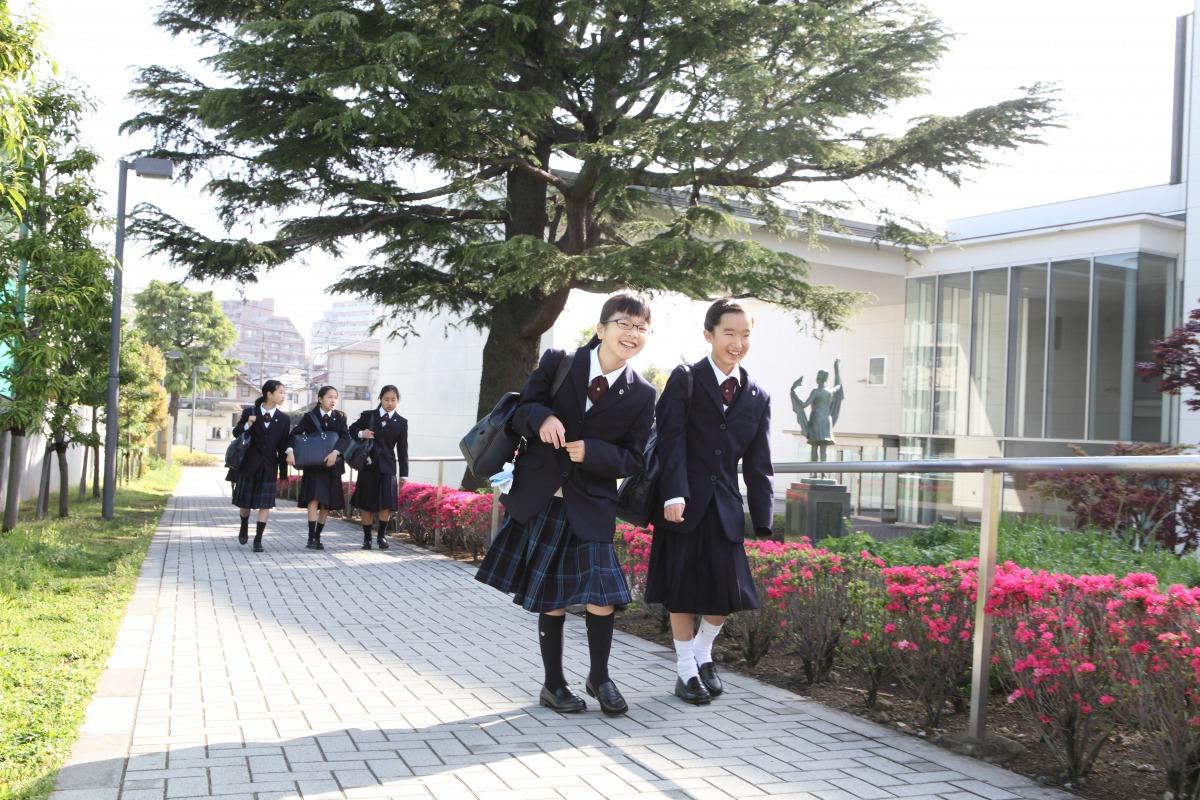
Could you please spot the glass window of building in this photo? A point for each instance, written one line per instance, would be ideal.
(918, 355)
(952, 354)
(1027, 351)
(989, 352)
(877, 371)
(1066, 373)
(1154, 319)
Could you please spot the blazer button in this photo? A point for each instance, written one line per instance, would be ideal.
(712, 478)
(565, 474)
(722, 426)
(717, 452)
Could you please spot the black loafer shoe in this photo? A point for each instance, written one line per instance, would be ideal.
(312, 543)
(317, 545)
(692, 692)
(258, 548)
(243, 537)
(611, 701)
(710, 679)
(367, 543)
(562, 700)
(383, 543)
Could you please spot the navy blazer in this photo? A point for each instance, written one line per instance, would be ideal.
(699, 449)
(268, 445)
(336, 424)
(614, 432)
(391, 442)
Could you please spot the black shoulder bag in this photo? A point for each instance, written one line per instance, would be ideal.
(637, 497)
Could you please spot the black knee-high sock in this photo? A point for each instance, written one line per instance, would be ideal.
(600, 636)
(258, 531)
(245, 524)
(383, 526)
(312, 528)
(320, 526)
(550, 639)
(367, 531)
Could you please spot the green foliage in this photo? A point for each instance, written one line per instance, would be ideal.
(1032, 543)
(576, 145)
(55, 293)
(191, 458)
(64, 586)
(141, 398)
(174, 318)
(21, 144)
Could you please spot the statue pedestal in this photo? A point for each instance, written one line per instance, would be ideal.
(816, 507)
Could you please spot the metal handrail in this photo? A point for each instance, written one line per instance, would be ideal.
(993, 470)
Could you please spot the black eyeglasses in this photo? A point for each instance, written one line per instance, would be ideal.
(626, 324)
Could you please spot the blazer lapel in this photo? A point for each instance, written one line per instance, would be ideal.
(612, 397)
(577, 378)
(746, 394)
(704, 376)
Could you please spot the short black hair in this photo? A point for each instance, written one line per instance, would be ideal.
(726, 305)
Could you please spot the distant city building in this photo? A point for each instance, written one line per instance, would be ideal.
(347, 322)
(269, 346)
(353, 370)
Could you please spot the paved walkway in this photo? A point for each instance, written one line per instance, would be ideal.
(353, 674)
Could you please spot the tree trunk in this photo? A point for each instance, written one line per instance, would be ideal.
(16, 469)
(43, 495)
(5, 443)
(95, 454)
(64, 478)
(87, 451)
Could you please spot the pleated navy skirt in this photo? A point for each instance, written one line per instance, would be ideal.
(375, 492)
(546, 567)
(324, 486)
(701, 572)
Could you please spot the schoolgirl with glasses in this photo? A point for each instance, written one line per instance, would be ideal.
(555, 548)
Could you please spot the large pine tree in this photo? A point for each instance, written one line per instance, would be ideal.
(575, 144)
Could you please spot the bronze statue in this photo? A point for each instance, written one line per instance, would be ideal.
(823, 406)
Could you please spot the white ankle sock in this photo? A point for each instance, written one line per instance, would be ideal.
(685, 660)
(704, 641)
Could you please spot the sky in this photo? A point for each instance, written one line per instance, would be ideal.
(1110, 59)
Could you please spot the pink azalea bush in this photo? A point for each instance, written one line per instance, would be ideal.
(464, 518)
(928, 630)
(1054, 643)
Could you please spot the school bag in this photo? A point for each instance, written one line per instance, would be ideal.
(490, 444)
(637, 497)
(235, 453)
(310, 450)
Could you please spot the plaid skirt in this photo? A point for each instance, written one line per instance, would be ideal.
(255, 491)
(546, 568)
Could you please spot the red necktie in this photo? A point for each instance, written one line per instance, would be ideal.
(728, 390)
(597, 388)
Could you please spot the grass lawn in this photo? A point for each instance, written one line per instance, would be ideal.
(64, 585)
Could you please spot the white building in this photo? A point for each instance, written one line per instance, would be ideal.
(353, 370)
(346, 322)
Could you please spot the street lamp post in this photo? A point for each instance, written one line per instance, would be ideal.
(192, 427)
(144, 167)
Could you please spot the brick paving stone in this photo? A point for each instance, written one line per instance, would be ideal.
(350, 674)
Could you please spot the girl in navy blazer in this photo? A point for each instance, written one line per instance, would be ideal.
(555, 548)
(321, 487)
(254, 480)
(697, 558)
(376, 489)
